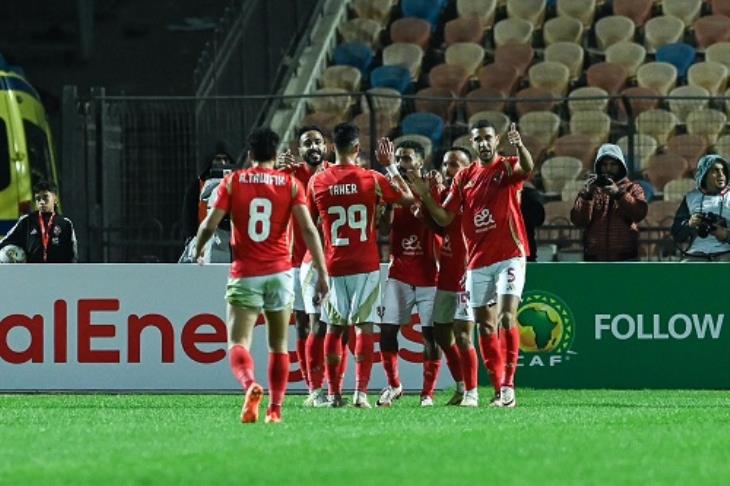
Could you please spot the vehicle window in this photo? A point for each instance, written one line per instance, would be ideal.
(4, 156)
(39, 156)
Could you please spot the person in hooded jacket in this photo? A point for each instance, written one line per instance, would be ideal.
(701, 219)
(609, 209)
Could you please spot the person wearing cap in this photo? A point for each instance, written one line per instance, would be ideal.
(700, 223)
(609, 209)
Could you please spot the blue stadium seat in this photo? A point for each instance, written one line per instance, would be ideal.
(680, 55)
(648, 189)
(426, 124)
(355, 54)
(429, 10)
(395, 76)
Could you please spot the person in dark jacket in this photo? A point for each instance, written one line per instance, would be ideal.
(44, 235)
(701, 219)
(533, 213)
(609, 209)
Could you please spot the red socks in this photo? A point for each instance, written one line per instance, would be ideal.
(343, 363)
(512, 344)
(390, 365)
(363, 361)
(315, 361)
(278, 379)
(333, 352)
(493, 359)
(241, 364)
(302, 357)
(470, 367)
(453, 361)
(430, 375)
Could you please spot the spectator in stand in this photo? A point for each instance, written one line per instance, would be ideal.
(609, 209)
(701, 220)
(533, 213)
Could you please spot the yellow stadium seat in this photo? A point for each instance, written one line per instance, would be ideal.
(531, 10)
(552, 76)
(613, 29)
(659, 76)
(543, 125)
(571, 188)
(562, 29)
(569, 54)
(362, 30)
(709, 75)
(518, 31)
(600, 104)
(385, 100)
(593, 124)
(676, 189)
(644, 147)
(557, 171)
(407, 55)
(378, 10)
(722, 147)
(467, 54)
(683, 107)
(338, 106)
(719, 53)
(481, 9)
(685, 10)
(345, 77)
(583, 10)
(706, 123)
(630, 55)
(659, 124)
(663, 30)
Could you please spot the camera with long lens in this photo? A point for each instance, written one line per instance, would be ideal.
(602, 180)
(709, 223)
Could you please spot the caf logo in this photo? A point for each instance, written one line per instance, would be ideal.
(546, 324)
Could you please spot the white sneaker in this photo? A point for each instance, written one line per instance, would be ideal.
(496, 401)
(309, 401)
(360, 400)
(388, 395)
(321, 399)
(426, 401)
(471, 399)
(508, 397)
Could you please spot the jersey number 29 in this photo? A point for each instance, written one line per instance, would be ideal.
(355, 216)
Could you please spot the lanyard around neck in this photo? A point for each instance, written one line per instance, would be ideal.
(46, 233)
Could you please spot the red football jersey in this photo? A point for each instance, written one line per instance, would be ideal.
(489, 198)
(413, 256)
(452, 258)
(260, 202)
(345, 197)
(300, 253)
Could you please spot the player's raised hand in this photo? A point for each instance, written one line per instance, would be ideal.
(434, 178)
(285, 160)
(513, 136)
(386, 152)
(416, 182)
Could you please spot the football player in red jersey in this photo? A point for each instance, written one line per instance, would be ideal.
(261, 201)
(488, 194)
(345, 197)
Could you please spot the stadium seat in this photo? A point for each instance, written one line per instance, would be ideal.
(531, 10)
(411, 30)
(501, 77)
(576, 145)
(640, 99)
(685, 10)
(659, 124)
(337, 105)
(719, 52)
(519, 56)
(403, 54)
(449, 76)
(638, 11)
(706, 123)
(464, 142)
(679, 55)
(683, 107)
(607, 76)
(557, 213)
(534, 99)
(571, 189)
(629, 55)
(691, 147)
(552, 76)
(583, 10)
(378, 10)
(470, 55)
(647, 187)
(661, 213)
(543, 125)
(484, 99)
(483, 10)
(424, 141)
(443, 108)
(396, 77)
(557, 171)
(710, 75)
(355, 54)
(463, 29)
(427, 124)
(562, 29)
(720, 7)
(385, 100)
(383, 124)
(598, 103)
(429, 10)
(593, 124)
(325, 120)
(518, 31)
(722, 147)
(711, 30)
(662, 30)
(659, 76)
(362, 30)
(664, 168)
(569, 54)
(644, 147)
(345, 77)
(499, 120)
(613, 29)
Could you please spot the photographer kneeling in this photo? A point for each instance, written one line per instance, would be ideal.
(701, 218)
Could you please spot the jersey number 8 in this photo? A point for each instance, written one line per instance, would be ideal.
(355, 216)
(259, 219)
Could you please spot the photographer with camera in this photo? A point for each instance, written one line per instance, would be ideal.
(609, 209)
(701, 218)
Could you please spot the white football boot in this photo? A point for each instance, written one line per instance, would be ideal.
(426, 401)
(471, 399)
(507, 394)
(360, 400)
(388, 395)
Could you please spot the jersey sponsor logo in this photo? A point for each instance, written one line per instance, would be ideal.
(411, 245)
(446, 247)
(484, 221)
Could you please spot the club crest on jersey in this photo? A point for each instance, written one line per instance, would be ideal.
(484, 221)
(381, 311)
(446, 246)
(411, 245)
(56, 230)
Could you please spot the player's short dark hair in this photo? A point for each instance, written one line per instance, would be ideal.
(482, 124)
(413, 145)
(309, 128)
(463, 150)
(45, 186)
(262, 143)
(346, 136)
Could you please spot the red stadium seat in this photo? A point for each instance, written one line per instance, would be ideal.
(463, 30)
(494, 101)
(502, 77)
(449, 76)
(411, 30)
(638, 11)
(608, 76)
(534, 99)
(712, 29)
(444, 109)
(519, 56)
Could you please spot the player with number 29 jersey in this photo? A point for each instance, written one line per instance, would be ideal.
(259, 201)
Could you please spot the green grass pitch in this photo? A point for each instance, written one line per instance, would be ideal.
(552, 437)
